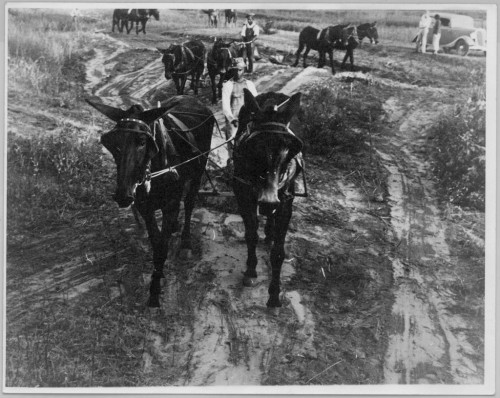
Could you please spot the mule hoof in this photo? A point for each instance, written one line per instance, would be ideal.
(249, 282)
(186, 254)
(154, 301)
(273, 303)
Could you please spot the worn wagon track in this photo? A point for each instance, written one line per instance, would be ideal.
(363, 292)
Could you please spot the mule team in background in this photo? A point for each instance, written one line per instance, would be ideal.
(161, 153)
(126, 18)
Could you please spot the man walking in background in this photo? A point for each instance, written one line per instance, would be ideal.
(436, 34)
(249, 34)
(233, 100)
(423, 26)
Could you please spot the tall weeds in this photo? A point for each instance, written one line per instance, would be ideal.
(460, 153)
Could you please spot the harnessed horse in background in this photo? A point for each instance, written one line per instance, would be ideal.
(324, 41)
(181, 60)
(230, 17)
(265, 169)
(141, 16)
(219, 61)
(147, 142)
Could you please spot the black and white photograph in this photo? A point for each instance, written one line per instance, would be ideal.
(269, 199)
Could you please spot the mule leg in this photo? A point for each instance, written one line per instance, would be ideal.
(283, 216)
(219, 85)
(189, 202)
(214, 89)
(297, 54)
(178, 87)
(345, 59)
(195, 77)
(351, 57)
(321, 60)
(269, 229)
(248, 209)
(330, 53)
(160, 251)
(183, 84)
(305, 56)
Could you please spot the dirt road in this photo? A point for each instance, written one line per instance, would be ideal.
(366, 297)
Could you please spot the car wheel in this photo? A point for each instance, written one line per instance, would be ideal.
(462, 48)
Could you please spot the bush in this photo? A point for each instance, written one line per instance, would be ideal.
(338, 119)
(48, 175)
(459, 154)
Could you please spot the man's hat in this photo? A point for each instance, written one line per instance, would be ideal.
(436, 16)
(251, 15)
(238, 63)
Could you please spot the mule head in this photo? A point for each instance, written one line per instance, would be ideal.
(153, 12)
(169, 59)
(222, 55)
(132, 144)
(373, 32)
(268, 147)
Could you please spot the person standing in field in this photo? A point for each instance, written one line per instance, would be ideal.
(423, 26)
(249, 34)
(233, 100)
(436, 34)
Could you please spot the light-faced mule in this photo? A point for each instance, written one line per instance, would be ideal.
(213, 17)
(219, 62)
(183, 60)
(324, 41)
(265, 168)
(144, 142)
(230, 17)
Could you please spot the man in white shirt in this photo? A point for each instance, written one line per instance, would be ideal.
(249, 34)
(233, 100)
(423, 26)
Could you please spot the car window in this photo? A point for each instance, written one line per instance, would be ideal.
(445, 22)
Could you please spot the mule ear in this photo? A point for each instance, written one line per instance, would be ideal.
(292, 107)
(114, 114)
(151, 115)
(162, 50)
(374, 23)
(250, 101)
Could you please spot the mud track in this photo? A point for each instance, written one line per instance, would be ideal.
(364, 295)
(232, 339)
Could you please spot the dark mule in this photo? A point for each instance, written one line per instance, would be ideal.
(352, 43)
(143, 142)
(265, 169)
(119, 19)
(324, 41)
(230, 17)
(181, 60)
(141, 17)
(219, 61)
(368, 30)
(364, 30)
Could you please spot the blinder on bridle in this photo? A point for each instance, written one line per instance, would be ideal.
(264, 130)
(111, 139)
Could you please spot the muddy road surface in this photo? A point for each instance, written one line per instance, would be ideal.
(366, 284)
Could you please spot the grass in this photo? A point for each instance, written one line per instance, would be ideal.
(459, 153)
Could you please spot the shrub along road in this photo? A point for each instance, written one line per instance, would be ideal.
(376, 287)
